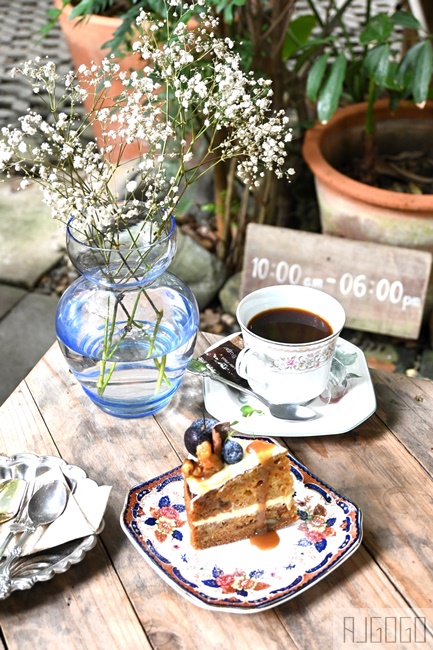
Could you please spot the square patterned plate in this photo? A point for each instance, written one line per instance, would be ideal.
(239, 577)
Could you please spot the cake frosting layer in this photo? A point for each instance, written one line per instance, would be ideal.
(243, 512)
(199, 486)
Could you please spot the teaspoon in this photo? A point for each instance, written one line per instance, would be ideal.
(295, 412)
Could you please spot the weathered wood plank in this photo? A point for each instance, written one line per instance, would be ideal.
(382, 288)
(86, 607)
(124, 453)
(370, 465)
(409, 412)
(22, 428)
(394, 494)
(357, 586)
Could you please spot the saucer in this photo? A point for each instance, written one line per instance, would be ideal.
(347, 409)
(239, 577)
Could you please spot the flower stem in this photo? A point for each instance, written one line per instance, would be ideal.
(109, 348)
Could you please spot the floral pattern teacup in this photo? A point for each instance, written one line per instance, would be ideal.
(288, 372)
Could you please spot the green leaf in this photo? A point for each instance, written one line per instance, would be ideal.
(377, 63)
(208, 207)
(423, 67)
(346, 358)
(415, 72)
(394, 101)
(405, 69)
(393, 82)
(247, 411)
(87, 7)
(226, 7)
(329, 96)
(297, 35)
(234, 3)
(407, 20)
(53, 17)
(54, 13)
(315, 77)
(377, 30)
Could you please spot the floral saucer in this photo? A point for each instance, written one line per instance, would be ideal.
(239, 577)
(348, 400)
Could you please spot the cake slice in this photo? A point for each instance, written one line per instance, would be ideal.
(237, 488)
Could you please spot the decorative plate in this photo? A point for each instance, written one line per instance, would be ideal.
(42, 566)
(348, 400)
(239, 577)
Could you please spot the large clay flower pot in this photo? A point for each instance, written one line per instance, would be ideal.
(85, 40)
(354, 210)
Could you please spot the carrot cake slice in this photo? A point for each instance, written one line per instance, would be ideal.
(235, 487)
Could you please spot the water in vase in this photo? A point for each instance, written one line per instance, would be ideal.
(142, 373)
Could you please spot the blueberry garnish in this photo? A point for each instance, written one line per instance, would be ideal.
(232, 452)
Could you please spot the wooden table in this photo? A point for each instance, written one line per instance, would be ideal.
(113, 599)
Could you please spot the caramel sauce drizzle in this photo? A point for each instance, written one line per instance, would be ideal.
(266, 541)
(263, 538)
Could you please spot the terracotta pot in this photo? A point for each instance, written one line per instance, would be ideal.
(85, 41)
(354, 210)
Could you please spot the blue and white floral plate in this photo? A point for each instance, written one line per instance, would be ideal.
(239, 577)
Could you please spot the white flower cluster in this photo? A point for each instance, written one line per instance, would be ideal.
(189, 106)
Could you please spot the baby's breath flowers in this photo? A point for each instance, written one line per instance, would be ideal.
(188, 108)
(190, 88)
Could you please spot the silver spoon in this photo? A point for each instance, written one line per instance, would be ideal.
(296, 412)
(18, 525)
(45, 506)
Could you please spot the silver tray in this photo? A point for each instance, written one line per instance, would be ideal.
(45, 564)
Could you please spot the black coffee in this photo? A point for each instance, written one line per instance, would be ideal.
(289, 325)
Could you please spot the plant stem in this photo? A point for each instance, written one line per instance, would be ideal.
(109, 349)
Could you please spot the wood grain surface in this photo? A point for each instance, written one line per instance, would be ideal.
(114, 600)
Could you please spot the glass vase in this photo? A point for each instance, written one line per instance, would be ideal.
(127, 328)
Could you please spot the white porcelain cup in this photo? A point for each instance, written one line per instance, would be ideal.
(288, 372)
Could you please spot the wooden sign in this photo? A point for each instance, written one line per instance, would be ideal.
(382, 288)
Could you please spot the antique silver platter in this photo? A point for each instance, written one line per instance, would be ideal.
(44, 565)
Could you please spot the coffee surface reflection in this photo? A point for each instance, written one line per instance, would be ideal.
(289, 325)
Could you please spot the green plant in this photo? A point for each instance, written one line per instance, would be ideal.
(394, 59)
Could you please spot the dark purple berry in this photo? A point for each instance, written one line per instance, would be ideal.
(197, 432)
(232, 452)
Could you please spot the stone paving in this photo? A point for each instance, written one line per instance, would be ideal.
(31, 243)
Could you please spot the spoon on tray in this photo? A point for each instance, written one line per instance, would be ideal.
(44, 507)
(295, 412)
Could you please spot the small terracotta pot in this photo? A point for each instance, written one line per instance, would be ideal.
(357, 211)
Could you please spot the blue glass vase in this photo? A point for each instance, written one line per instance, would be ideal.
(127, 327)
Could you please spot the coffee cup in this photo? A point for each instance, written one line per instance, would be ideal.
(289, 333)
